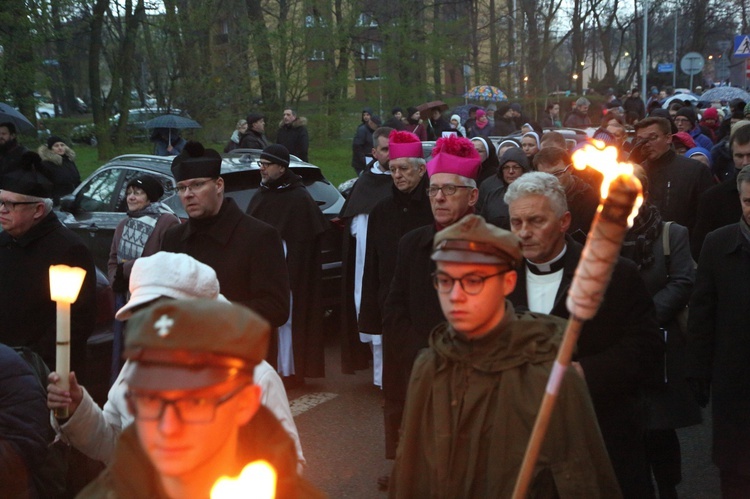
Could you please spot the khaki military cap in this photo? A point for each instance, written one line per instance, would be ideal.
(472, 240)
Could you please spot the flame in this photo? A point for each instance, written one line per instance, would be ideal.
(257, 480)
(604, 160)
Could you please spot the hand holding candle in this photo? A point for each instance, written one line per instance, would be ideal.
(257, 480)
(64, 284)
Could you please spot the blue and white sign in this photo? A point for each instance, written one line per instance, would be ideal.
(665, 68)
(741, 46)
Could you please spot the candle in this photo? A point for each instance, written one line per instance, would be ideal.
(64, 285)
(257, 480)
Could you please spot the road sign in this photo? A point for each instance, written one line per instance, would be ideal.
(692, 63)
(741, 46)
(747, 70)
(665, 68)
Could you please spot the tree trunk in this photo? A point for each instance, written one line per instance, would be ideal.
(263, 54)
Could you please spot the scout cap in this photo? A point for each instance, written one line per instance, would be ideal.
(191, 344)
(472, 240)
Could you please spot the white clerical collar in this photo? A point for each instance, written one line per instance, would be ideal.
(377, 171)
(549, 267)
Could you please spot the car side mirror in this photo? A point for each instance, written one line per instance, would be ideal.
(68, 204)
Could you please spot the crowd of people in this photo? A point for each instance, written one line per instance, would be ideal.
(455, 274)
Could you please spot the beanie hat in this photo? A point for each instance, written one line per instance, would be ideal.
(150, 185)
(456, 155)
(480, 113)
(688, 113)
(604, 136)
(196, 162)
(252, 118)
(276, 154)
(711, 114)
(404, 145)
(52, 140)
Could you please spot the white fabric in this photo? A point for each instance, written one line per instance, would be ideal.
(94, 431)
(285, 358)
(377, 363)
(541, 290)
(358, 230)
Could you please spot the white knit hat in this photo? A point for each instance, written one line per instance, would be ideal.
(174, 275)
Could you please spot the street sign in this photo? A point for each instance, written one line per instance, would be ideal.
(692, 63)
(747, 70)
(741, 46)
(667, 67)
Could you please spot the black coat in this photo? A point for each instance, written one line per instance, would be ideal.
(504, 127)
(393, 217)
(583, 201)
(719, 342)
(368, 190)
(253, 140)
(674, 184)
(10, 156)
(27, 315)
(286, 205)
(361, 147)
(717, 207)
(246, 254)
(61, 170)
(294, 138)
(619, 350)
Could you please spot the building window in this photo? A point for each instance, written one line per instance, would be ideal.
(318, 55)
(366, 21)
(369, 51)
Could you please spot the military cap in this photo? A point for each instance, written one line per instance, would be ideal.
(195, 161)
(191, 344)
(472, 240)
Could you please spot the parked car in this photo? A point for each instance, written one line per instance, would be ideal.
(135, 130)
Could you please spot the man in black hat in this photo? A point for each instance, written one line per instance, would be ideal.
(197, 409)
(32, 239)
(255, 136)
(284, 203)
(10, 150)
(246, 253)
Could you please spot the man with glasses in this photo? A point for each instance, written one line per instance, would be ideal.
(675, 182)
(618, 350)
(686, 121)
(246, 253)
(32, 239)
(485, 373)
(284, 203)
(582, 199)
(197, 409)
(411, 307)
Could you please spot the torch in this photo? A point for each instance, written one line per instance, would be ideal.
(64, 284)
(621, 197)
(257, 480)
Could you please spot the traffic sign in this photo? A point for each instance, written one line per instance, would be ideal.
(667, 67)
(692, 63)
(741, 46)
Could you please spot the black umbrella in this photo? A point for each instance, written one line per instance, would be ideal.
(171, 121)
(8, 114)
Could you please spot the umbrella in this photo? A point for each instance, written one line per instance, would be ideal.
(683, 97)
(171, 121)
(8, 114)
(463, 111)
(425, 108)
(486, 93)
(725, 93)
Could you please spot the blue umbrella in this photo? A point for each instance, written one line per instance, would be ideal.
(725, 93)
(8, 114)
(171, 121)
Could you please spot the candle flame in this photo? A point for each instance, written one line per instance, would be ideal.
(65, 282)
(604, 160)
(256, 480)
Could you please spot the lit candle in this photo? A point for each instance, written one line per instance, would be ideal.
(64, 285)
(621, 196)
(257, 480)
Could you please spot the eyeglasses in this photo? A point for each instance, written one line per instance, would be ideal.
(11, 205)
(447, 189)
(195, 186)
(650, 138)
(681, 120)
(264, 164)
(198, 410)
(559, 173)
(472, 284)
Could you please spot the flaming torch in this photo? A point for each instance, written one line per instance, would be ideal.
(257, 480)
(64, 285)
(621, 196)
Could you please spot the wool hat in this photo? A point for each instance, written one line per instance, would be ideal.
(694, 151)
(192, 344)
(172, 275)
(150, 185)
(604, 135)
(396, 110)
(516, 107)
(25, 177)
(472, 240)
(404, 145)
(688, 113)
(196, 162)
(480, 113)
(252, 118)
(276, 154)
(456, 155)
(411, 110)
(684, 138)
(711, 113)
(52, 140)
(516, 155)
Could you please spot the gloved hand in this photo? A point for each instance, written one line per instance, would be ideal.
(701, 389)
(120, 284)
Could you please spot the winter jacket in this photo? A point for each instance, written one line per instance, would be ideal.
(294, 137)
(61, 170)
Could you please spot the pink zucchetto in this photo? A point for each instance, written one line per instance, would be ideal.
(455, 155)
(404, 145)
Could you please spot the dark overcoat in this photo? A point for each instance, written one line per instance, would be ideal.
(717, 207)
(246, 254)
(294, 137)
(719, 342)
(27, 314)
(619, 350)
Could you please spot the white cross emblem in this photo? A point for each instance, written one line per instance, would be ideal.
(164, 324)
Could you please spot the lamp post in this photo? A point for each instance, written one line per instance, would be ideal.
(64, 285)
(644, 62)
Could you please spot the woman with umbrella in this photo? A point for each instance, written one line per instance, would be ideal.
(167, 141)
(58, 165)
(413, 124)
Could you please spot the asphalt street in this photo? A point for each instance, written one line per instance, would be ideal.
(340, 423)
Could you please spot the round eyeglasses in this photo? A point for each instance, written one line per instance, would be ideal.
(472, 284)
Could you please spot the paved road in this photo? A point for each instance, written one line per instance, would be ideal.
(341, 427)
